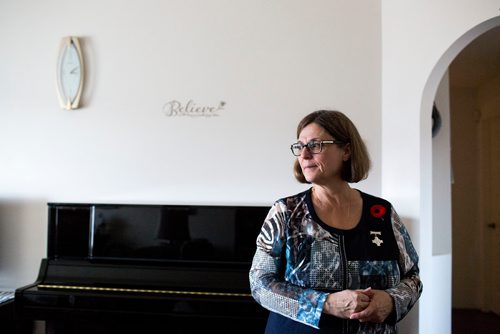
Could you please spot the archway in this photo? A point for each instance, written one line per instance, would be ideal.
(436, 202)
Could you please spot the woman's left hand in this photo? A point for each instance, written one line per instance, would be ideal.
(381, 305)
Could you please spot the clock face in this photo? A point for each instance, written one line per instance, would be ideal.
(70, 73)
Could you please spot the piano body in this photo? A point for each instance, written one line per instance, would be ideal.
(127, 268)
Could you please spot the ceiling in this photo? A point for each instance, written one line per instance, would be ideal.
(478, 62)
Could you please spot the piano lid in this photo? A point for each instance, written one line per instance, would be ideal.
(180, 235)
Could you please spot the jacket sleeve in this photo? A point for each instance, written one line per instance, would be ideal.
(267, 280)
(406, 293)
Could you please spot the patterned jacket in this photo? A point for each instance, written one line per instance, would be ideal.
(299, 260)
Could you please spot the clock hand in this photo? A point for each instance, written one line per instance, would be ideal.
(73, 71)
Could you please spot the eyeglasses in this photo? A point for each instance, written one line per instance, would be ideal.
(314, 146)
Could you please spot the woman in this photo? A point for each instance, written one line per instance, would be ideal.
(333, 259)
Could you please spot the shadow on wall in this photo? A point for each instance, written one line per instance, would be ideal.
(23, 238)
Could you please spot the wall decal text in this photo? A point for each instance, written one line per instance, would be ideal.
(191, 109)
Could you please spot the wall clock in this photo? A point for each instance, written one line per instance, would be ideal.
(70, 73)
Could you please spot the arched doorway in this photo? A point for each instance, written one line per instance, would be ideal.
(466, 85)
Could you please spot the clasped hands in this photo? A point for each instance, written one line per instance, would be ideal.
(368, 305)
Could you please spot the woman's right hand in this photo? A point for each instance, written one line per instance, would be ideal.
(344, 303)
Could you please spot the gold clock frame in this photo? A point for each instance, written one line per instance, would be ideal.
(68, 102)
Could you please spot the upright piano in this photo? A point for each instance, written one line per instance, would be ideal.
(135, 268)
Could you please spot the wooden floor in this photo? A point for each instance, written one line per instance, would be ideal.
(469, 321)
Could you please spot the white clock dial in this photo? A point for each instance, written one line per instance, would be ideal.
(70, 73)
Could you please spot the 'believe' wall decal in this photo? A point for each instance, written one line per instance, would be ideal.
(191, 109)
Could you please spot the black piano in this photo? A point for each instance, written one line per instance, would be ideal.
(128, 268)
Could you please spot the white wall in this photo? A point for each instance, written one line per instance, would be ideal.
(442, 174)
(271, 62)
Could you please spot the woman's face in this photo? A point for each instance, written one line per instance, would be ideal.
(323, 167)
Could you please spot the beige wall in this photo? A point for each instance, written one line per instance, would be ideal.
(472, 107)
(465, 196)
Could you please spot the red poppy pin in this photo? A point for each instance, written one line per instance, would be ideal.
(377, 211)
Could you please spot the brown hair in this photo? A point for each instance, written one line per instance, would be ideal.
(341, 128)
